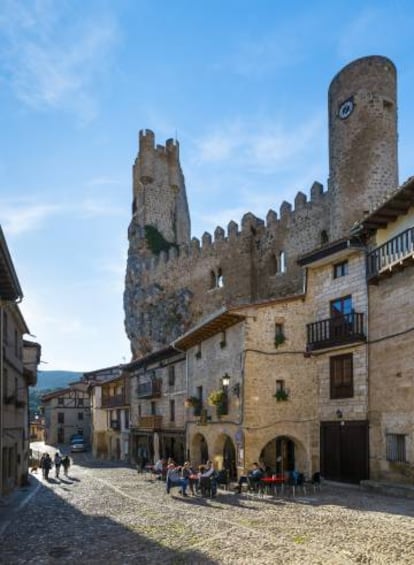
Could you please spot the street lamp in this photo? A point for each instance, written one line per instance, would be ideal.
(225, 380)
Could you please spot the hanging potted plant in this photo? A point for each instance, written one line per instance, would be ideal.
(218, 398)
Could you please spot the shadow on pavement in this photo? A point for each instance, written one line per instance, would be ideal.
(49, 528)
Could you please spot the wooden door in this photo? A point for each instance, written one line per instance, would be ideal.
(344, 451)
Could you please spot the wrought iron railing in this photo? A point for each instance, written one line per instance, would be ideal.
(391, 252)
(335, 331)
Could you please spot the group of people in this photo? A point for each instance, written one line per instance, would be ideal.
(184, 477)
(46, 463)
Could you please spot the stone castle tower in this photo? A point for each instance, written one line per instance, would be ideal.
(172, 281)
(363, 165)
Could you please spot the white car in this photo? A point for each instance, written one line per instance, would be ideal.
(77, 445)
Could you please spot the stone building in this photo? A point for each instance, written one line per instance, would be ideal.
(389, 234)
(67, 412)
(158, 386)
(299, 275)
(110, 417)
(19, 360)
(170, 276)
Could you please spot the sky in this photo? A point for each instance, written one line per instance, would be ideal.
(242, 85)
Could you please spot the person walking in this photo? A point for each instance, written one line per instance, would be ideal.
(58, 462)
(47, 465)
(42, 464)
(66, 465)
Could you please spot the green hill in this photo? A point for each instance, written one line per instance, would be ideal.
(51, 380)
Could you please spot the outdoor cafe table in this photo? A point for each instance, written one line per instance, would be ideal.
(271, 483)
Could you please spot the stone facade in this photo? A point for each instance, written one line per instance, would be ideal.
(169, 277)
(277, 314)
(391, 367)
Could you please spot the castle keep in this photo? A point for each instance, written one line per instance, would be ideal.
(174, 281)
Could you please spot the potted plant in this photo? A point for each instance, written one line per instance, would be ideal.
(218, 398)
(281, 395)
(279, 339)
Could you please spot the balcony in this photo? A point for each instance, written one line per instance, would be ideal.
(113, 401)
(150, 422)
(391, 256)
(339, 330)
(149, 389)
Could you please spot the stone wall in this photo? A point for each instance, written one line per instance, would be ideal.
(391, 396)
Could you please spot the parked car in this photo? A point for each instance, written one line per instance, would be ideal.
(77, 445)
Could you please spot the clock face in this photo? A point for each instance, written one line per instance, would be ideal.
(345, 109)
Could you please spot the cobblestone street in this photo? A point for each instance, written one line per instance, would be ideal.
(104, 513)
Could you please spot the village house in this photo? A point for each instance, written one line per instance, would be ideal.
(158, 417)
(19, 360)
(67, 413)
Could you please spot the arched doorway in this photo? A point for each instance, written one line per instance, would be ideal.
(278, 455)
(199, 450)
(229, 458)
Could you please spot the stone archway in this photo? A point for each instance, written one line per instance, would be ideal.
(226, 454)
(199, 450)
(283, 454)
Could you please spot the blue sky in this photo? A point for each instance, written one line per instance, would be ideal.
(243, 85)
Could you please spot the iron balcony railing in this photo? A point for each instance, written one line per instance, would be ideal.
(149, 389)
(392, 252)
(335, 331)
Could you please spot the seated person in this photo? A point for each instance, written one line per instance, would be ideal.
(175, 479)
(186, 473)
(160, 468)
(252, 478)
(206, 481)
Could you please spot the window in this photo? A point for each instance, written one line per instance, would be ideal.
(395, 448)
(198, 352)
(216, 279)
(61, 417)
(171, 375)
(80, 401)
(279, 334)
(341, 306)
(172, 410)
(223, 341)
(340, 269)
(126, 419)
(341, 376)
(61, 401)
(153, 408)
(80, 415)
(324, 237)
(280, 385)
(282, 262)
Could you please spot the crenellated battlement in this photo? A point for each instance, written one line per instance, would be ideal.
(174, 280)
(227, 241)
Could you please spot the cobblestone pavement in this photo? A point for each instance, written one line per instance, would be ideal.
(109, 514)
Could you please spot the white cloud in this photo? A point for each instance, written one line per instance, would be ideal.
(20, 217)
(259, 146)
(50, 65)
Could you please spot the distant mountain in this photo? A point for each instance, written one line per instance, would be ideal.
(51, 380)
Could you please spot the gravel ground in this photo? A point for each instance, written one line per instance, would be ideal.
(104, 513)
